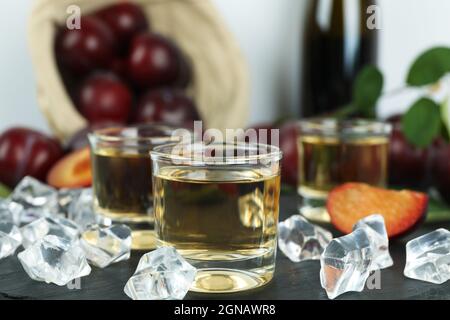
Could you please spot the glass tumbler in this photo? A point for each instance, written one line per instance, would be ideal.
(333, 152)
(218, 205)
(122, 184)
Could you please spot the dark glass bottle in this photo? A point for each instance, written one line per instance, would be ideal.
(337, 44)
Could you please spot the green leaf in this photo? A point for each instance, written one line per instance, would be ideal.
(345, 111)
(4, 191)
(422, 123)
(445, 115)
(367, 90)
(431, 66)
(437, 211)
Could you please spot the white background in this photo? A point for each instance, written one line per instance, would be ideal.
(269, 32)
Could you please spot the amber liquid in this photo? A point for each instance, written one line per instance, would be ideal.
(220, 219)
(122, 186)
(328, 162)
(122, 183)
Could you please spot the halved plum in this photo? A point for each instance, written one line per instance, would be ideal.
(72, 171)
(402, 210)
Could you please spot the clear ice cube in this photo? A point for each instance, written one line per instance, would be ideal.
(81, 210)
(104, 246)
(54, 260)
(34, 193)
(10, 239)
(38, 229)
(346, 263)
(428, 257)
(300, 240)
(38, 199)
(376, 227)
(161, 275)
(65, 198)
(10, 211)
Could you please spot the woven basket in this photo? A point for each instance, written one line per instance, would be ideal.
(221, 82)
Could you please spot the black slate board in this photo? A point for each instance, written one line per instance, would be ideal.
(293, 281)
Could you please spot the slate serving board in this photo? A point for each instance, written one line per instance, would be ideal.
(292, 281)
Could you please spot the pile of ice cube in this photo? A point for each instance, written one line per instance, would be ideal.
(61, 235)
(348, 261)
(59, 232)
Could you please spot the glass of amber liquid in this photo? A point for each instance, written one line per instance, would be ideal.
(122, 186)
(333, 152)
(218, 205)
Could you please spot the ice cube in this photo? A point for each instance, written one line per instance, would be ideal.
(104, 246)
(376, 227)
(428, 257)
(34, 193)
(29, 215)
(65, 198)
(38, 199)
(54, 260)
(161, 275)
(346, 263)
(10, 239)
(300, 240)
(38, 229)
(81, 210)
(10, 211)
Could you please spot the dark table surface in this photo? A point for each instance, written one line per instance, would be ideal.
(292, 281)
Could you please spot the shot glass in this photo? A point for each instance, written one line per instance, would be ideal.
(218, 205)
(333, 152)
(122, 184)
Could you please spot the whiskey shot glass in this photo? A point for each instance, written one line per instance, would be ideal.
(218, 205)
(333, 152)
(122, 183)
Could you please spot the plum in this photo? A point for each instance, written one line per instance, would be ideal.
(26, 152)
(441, 171)
(104, 97)
(80, 139)
(168, 106)
(402, 210)
(72, 171)
(126, 20)
(186, 74)
(85, 49)
(153, 61)
(289, 135)
(408, 165)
